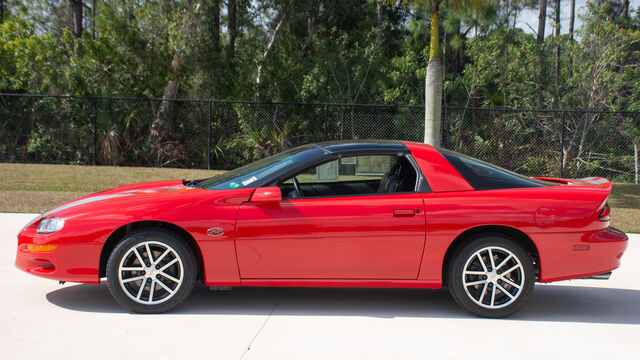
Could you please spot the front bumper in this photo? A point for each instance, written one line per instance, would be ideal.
(67, 262)
(566, 256)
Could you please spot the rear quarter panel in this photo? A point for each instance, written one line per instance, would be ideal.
(574, 212)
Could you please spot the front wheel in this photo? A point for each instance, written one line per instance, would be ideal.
(492, 276)
(151, 271)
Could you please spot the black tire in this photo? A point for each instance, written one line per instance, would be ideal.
(172, 277)
(493, 294)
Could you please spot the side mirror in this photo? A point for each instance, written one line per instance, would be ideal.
(266, 194)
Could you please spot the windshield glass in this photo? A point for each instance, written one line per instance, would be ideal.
(249, 175)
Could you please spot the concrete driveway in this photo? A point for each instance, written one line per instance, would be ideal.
(585, 319)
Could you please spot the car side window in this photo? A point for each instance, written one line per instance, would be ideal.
(352, 175)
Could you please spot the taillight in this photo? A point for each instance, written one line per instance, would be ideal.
(604, 213)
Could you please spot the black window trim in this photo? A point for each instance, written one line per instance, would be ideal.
(421, 186)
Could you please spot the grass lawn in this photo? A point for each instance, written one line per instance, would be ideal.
(35, 188)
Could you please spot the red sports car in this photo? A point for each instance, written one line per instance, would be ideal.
(339, 214)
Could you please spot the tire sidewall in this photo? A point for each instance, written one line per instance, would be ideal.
(140, 236)
(456, 267)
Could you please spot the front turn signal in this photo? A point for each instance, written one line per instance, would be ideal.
(40, 248)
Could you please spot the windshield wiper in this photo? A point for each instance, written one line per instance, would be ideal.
(191, 183)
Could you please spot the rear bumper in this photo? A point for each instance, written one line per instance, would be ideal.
(566, 256)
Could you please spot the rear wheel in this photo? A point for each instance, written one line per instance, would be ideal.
(151, 271)
(492, 276)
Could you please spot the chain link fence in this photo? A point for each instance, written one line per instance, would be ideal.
(216, 134)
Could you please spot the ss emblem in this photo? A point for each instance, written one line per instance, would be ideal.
(215, 231)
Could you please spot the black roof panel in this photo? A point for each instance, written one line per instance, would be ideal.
(363, 146)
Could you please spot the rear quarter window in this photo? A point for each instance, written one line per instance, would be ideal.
(484, 176)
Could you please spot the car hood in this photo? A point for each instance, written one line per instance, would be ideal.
(148, 190)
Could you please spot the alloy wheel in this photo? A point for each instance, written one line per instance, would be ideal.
(150, 272)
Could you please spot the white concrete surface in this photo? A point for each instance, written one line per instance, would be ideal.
(580, 319)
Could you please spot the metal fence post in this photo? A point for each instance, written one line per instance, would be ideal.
(95, 129)
(209, 137)
(562, 147)
(324, 122)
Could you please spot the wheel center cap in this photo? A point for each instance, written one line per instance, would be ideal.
(150, 272)
(492, 277)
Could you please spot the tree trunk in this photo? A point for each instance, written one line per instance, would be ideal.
(433, 83)
(625, 9)
(162, 125)
(635, 159)
(215, 25)
(557, 33)
(572, 18)
(93, 18)
(380, 22)
(262, 61)
(231, 29)
(542, 20)
(76, 7)
(2, 6)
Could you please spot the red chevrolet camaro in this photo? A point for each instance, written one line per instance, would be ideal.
(340, 214)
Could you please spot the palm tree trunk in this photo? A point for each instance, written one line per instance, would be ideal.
(162, 125)
(542, 20)
(433, 83)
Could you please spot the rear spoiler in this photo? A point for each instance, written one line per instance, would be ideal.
(597, 182)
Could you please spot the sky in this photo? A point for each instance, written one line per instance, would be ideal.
(528, 19)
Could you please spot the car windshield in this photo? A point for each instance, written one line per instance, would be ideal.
(249, 175)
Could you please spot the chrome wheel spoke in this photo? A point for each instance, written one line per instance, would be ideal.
(168, 289)
(168, 264)
(504, 291)
(484, 267)
(141, 289)
(131, 269)
(504, 262)
(510, 282)
(162, 256)
(493, 296)
(169, 277)
(493, 264)
(133, 279)
(472, 272)
(510, 269)
(142, 263)
(149, 254)
(153, 285)
(472, 283)
(483, 293)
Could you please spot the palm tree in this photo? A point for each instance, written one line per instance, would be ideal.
(433, 80)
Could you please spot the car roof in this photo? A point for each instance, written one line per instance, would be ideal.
(346, 146)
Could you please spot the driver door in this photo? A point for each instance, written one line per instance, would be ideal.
(366, 235)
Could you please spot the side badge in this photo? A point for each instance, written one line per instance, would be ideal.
(215, 231)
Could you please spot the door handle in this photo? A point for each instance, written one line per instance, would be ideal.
(403, 212)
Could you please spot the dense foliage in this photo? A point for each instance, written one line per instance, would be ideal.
(344, 51)
(311, 50)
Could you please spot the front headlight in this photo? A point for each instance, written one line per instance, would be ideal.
(49, 225)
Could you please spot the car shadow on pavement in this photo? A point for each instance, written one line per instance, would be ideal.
(548, 303)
